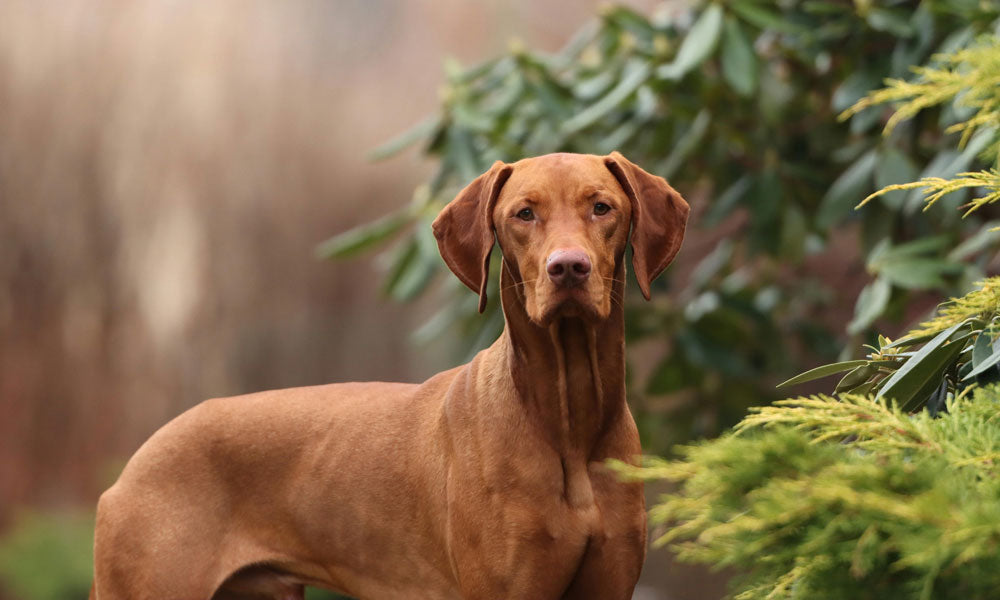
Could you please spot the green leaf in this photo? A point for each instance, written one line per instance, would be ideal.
(865, 388)
(701, 350)
(894, 167)
(552, 96)
(469, 117)
(414, 279)
(824, 371)
(984, 238)
(854, 378)
(461, 154)
(723, 205)
(823, 8)
(457, 74)
(646, 103)
(619, 137)
(761, 17)
(924, 368)
(865, 120)
(918, 273)
(870, 305)
(896, 22)
(505, 96)
(956, 40)
(580, 40)
(794, 233)
(983, 358)
(937, 398)
(855, 87)
(910, 249)
(698, 44)
(739, 60)
(847, 191)
(363, 237)
(635, 74)
(544, 138)
(631, 21)
(712, 264)
(489, 331)
(686, 144)
(949, 163)
(765, 200)
(407, 138)
(590, 88)
(671, 375)
(401, 259)
(878, 225)
(447, 317)
(914, 51)
(982, 349)
(501, 70)
(910, 340)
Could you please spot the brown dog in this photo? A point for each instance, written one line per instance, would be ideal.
(484, 482)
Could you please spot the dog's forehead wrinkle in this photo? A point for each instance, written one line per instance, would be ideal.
(547, 186)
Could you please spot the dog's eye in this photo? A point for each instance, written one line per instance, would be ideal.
(601, 209)
(525, 214)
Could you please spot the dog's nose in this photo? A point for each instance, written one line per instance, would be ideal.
(567, 268)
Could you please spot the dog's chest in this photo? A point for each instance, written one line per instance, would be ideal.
(578, 494)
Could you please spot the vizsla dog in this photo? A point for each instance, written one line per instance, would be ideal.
(485, 482)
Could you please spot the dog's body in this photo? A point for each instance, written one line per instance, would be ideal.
(486, 481)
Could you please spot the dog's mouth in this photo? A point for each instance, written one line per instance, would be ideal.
(577, 301)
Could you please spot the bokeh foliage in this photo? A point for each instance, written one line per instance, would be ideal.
(48, 556)
(857, 495)
(959, 347)
(736, 103)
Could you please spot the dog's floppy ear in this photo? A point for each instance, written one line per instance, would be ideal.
(659, 216)
(464, 229)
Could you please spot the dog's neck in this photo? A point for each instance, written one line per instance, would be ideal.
(569, 376)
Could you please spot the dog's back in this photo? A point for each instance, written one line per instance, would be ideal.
(238, 481)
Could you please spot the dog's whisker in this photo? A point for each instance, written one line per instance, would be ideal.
(511, 286)
(617, 301)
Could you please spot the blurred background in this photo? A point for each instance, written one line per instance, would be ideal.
(169, 172)
(166, 171)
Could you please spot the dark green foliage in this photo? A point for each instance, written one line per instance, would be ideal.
(48, 556)
(942, 357)
(854, 496)
(736, 103)
(959, 347)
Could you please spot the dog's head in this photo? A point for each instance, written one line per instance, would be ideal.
(562, 222)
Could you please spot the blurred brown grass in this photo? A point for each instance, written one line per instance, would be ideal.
(166, 169)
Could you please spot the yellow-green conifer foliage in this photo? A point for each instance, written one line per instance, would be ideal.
(833, 498)
(971, 79)
(983, 303)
